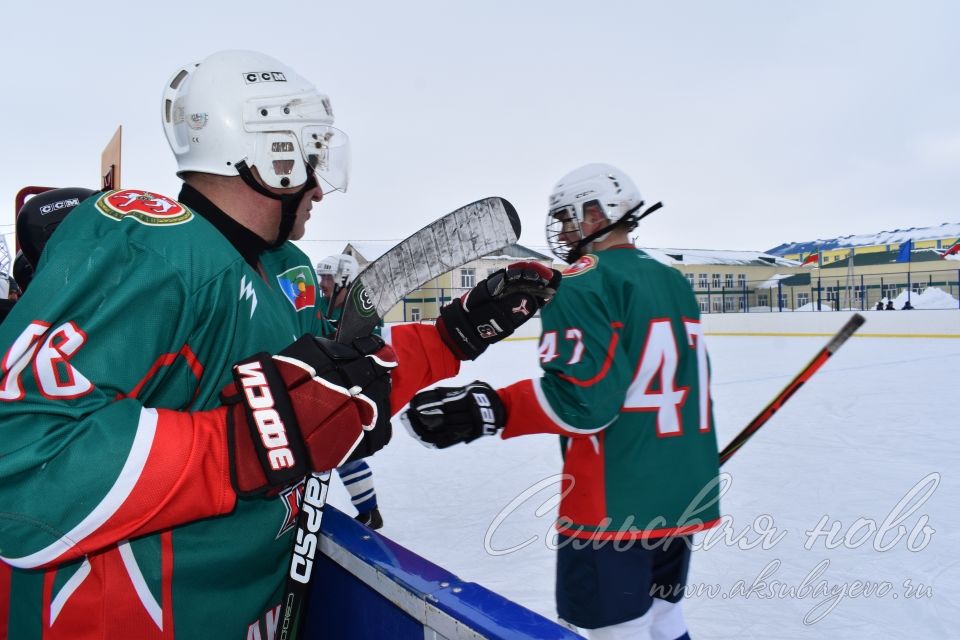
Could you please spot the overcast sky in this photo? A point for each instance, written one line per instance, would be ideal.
(756, 122)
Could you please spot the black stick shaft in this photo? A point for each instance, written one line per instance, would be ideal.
(781, 398)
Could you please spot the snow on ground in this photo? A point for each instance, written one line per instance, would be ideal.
(931, 298)
(872, 428)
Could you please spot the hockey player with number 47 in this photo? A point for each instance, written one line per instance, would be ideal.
(626, 385)
(167, 382)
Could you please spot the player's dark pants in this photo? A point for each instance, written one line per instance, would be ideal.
(601, 585)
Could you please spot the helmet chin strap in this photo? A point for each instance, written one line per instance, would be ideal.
(289, 203)
(626, 220)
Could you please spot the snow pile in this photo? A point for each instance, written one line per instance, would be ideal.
(771, 282)
(932, 298)
(812, 306)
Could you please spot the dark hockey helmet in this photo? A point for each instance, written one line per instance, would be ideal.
(41, 214)
(22, 271)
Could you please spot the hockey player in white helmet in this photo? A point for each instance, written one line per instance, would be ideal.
(145, 487)
(625, 383)
(336, 273)
(573, 228)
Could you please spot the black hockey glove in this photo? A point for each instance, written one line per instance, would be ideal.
(495, 307)
(445, 416)
(308, 408)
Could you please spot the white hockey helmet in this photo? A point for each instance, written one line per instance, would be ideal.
(343, 268)
(327, 266)
(600, 184)
(246, 108)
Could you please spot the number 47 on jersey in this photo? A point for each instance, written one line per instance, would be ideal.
(654, 386)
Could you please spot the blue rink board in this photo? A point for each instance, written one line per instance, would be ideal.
(367, 586)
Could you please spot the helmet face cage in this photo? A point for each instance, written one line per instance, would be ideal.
(564, 231)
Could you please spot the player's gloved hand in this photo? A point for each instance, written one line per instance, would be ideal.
(445, 416)
(376, 438)
(304, 409)
(495, 307)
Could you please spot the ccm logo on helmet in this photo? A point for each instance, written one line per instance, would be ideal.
(56, 206)
(264, 76)
(273, 433)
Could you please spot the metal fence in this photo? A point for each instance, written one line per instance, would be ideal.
(795, 292)
(828, 292)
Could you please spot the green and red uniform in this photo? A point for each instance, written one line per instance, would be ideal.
(626, 383)
(117, 512)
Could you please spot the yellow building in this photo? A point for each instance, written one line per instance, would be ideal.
(836, 249)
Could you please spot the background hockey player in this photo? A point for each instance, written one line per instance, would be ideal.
(336, 273)
(36, 221)
(150, 441)
(625, 384)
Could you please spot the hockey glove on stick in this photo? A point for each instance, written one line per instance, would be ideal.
(495, 307)
(304, 409)
(445, 416)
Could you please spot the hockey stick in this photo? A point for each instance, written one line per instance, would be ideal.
(781, 398)
(466, 234)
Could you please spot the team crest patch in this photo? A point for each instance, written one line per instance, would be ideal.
(142, 206)
(300, 287)
(582, 265)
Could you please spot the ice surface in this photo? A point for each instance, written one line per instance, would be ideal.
(875, 422)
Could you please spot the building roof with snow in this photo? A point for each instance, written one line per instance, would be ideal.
(945, 231)
(673, 257)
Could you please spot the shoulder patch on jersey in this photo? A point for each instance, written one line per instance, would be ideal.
(143, 206)
(300, 287)
(584, 264)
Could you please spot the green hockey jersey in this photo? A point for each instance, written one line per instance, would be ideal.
(626, 384)
(116, 507)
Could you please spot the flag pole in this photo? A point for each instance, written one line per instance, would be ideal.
(907, 248)
(909, 269)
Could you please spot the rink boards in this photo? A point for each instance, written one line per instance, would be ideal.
(367, 586)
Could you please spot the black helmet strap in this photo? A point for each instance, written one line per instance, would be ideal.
(288, 202)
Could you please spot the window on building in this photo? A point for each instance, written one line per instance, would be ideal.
(802, 299)
(689, 277)
(415, 314)
(717, 304)
(742, 280)
(702, 300)
(762, 300)
(702, 280)
(716, 281)
(730, 303)
(468, 278)
(728, 280)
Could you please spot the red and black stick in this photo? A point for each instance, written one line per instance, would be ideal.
(805, 374)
